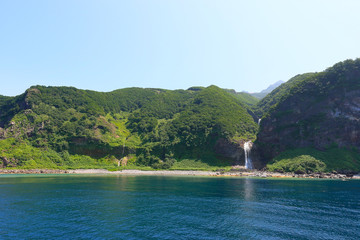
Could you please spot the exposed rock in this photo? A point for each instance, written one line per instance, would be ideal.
(234, 151)
(124, 161)
(8, 162)
(356, 176)
(32, 171)
(319, 113)
(219, 172)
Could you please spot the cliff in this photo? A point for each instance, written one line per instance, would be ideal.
(320, 111)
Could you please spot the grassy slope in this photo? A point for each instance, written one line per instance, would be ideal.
(244, 97)
(259, 95)
(57, 127)
(336, 159)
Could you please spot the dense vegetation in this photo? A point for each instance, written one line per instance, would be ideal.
(299, 164)
(313, 160)
(310, 123)
(314, 111)
(270, 101)
(244, 97)
(65, 127)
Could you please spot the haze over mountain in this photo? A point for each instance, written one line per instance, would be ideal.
(268, 90)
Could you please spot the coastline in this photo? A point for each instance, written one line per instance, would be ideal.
(231, 173)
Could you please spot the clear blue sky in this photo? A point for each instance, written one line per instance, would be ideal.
(174, 44)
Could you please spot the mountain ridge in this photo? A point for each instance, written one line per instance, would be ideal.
(315, 110)
(309, 123)
(260, 95)
(149, 126)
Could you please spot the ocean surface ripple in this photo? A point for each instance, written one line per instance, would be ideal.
(168, 207)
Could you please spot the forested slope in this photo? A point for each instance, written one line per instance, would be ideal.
(313, 120)
(316, 112)
(68, 127)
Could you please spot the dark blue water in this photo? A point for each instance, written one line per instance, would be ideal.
(152, 207)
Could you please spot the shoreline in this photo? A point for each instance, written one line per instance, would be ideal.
(231, 173)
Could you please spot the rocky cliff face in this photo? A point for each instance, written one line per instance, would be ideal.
(235, 152)
(319, 112)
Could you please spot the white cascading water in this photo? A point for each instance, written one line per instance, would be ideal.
(259, 121)
(247, 149)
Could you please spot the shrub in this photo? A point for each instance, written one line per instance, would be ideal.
(300, 164)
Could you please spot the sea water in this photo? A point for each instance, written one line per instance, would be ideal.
(160, 207)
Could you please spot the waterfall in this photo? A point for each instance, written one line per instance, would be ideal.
(259, 121)
(247, 149)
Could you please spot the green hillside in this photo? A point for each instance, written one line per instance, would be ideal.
(270, 100)
(310, 123)
(244, 97)
(319, 111)
(65, 127)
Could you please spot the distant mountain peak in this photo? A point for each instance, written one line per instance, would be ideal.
(272, 87)
(269, 89)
